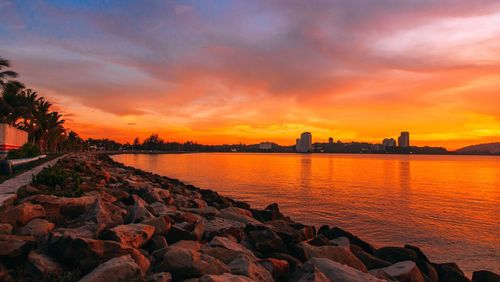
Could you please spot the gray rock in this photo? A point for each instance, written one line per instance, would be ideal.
(244, 265)
(117, 269)
(404, 271)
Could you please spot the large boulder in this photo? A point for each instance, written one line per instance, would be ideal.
(139, 212)
(323, 269)
(118, 269)
(244, 265)
(104, 214)
(22, 213)
(404, 271)
(161, 224)
(396, 254)
(15, 245)
(186, 263)
(186, 231)
(6, 228)
(449, 272)
(485, 276)
(86, 253)
(37, 227)
(370, 261)
(44, 265)
(130, 235)
(338, 232)
(337, 254)
(221, 226)
(278, 268)
(267, 241)
(238, 216)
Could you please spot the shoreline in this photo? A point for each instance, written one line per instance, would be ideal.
(107, 218)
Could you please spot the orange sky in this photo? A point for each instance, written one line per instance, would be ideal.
(251, 71)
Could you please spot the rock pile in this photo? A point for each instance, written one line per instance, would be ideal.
(108, 222)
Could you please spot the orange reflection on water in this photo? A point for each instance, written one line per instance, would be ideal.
(448, 205)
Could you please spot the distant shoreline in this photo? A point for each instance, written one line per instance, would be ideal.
(287, 153)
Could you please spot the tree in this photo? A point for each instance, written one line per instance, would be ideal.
(5, 74)
(153, 142)
(137, 143)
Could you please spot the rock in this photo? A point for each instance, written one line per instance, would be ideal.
(226, 277)
(7, 200)
(238, 211)
(342, 242)
(157, 242)
(15, 245)
(338, 232)
(5, 228)
(286, 231)
(37, 227)
(267, 241)
(212, 198)
(334, 253)
(404, 271)
(206, 211)
(221, 226)
(152, 195)
(116, 269)
(191, 245)
(22, 213)
(139, 212)
(331, 271)
(244, 265)
(293, 262)
(105, 215)
(396, 254)
(86, 253)
(319, 240)
(278, 268)
(185, 263)
(485, 276)
(186, 231)
(229, 244)
(159, 277)
(236, 216)
(449, 272)
(370, 261)
(161, 224)
(275, 211)
(130, 235)
(45, 265)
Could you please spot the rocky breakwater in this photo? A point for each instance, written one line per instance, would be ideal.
(91, 219)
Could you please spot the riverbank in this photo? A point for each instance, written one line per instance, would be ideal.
(89, 217)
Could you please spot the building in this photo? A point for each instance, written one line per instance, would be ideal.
(11, 138)
(266, 145)
(330, 140)
(404, 139)
(389, 142)
(304, 143)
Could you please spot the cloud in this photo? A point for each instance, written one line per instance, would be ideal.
(239, 67)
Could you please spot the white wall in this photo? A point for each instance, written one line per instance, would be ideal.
(11, 138)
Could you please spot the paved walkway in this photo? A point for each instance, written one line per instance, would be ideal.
(13, 184)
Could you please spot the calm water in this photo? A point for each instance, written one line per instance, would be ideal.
(447, 205)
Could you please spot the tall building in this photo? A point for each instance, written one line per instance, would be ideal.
(304, 143)
(330, 140)
(389, 142)
(266, 145)
(404, 139)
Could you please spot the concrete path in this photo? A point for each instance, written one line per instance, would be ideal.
(13, 184)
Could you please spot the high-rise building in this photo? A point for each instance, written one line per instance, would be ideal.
(404, 139)
(389, 142)
(330, 140)
(266, 145)
(304, 143)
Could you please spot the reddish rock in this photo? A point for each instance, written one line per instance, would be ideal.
(139, 212)
(161, 224)
(404, 271)
(22, 213)
(277, 267)
(244, 265)
(159, 277)
(7, 200)
(122, 268)
(104, 214)
(130, 235)
(45, 265)
(37, 227)
(5, 228)
(15, 245)
(226, 277)
(334, 253)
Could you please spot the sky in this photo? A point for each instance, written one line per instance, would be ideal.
(249, 71)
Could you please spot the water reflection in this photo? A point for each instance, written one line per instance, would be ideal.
(448, 205)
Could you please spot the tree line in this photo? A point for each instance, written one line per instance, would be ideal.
(23, 108)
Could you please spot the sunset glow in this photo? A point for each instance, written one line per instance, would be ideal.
(250, 71)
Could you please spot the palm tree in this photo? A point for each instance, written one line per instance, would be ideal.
(7, 73)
